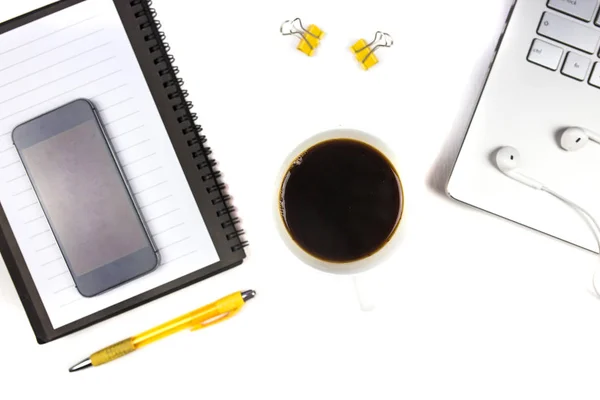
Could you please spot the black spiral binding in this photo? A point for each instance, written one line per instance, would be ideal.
(196, 141)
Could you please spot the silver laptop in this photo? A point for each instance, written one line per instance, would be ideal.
(545, 78)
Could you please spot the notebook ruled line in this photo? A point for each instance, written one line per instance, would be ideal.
(23, 191)
(150, 187)
(46, 247)
(162, 215)
(133, 146)
(52, 261)
(35, 219)
(70, 303)
(116, 104)
(52, 49)
(53, 65)
(10, 164)
(174, 243)
(48, 35)
(168, 229)
(64, 288)
(16, 178)
(139, 159)
(7, 149)
(63, 93)
(108, 91)
(181, 256)
(121, 118)
(156, 201)
(58, 275)
(125, 133)
(28, 205)
(56, 80)
(39, 234)
(146, 173)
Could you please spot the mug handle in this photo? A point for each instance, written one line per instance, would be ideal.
(364, 294)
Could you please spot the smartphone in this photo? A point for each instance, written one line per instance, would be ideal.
(85, 197)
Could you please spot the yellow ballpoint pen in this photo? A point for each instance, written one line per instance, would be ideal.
(208, 315)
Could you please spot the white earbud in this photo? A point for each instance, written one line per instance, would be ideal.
(508, 161)
(575, 138)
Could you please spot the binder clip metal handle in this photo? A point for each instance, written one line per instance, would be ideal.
(310, 37)
(365, 52)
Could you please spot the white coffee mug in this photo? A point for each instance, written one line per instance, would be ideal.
(356, 268)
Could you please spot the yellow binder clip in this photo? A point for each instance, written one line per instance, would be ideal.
(309, 38)
(365, 52)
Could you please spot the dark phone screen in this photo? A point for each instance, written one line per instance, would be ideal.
(83, 196)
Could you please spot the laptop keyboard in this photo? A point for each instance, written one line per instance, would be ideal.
(571, 34)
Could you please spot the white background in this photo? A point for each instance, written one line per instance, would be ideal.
(469, 307)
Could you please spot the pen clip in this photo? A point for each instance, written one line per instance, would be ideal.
(215, 320)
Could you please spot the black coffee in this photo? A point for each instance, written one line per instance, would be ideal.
(341, 201)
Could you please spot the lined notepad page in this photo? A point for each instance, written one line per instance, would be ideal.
(83, 52)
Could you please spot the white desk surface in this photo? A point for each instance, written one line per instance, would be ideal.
(470, 306)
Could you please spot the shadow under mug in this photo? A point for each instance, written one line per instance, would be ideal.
(355, 268)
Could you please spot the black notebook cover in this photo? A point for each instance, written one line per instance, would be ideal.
(156, 64)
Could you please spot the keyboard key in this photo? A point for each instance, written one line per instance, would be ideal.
(595, 76)
(582, 9)
(576, 66)
(545, 54)
(569, 32)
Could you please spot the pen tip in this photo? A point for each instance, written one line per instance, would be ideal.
(248, 294)
(81, 365)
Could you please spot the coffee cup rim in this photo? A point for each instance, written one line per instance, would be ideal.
(352, 267)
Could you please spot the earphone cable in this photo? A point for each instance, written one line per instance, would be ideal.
(592, 223)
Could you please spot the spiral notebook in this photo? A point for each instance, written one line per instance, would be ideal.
(112, 53)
